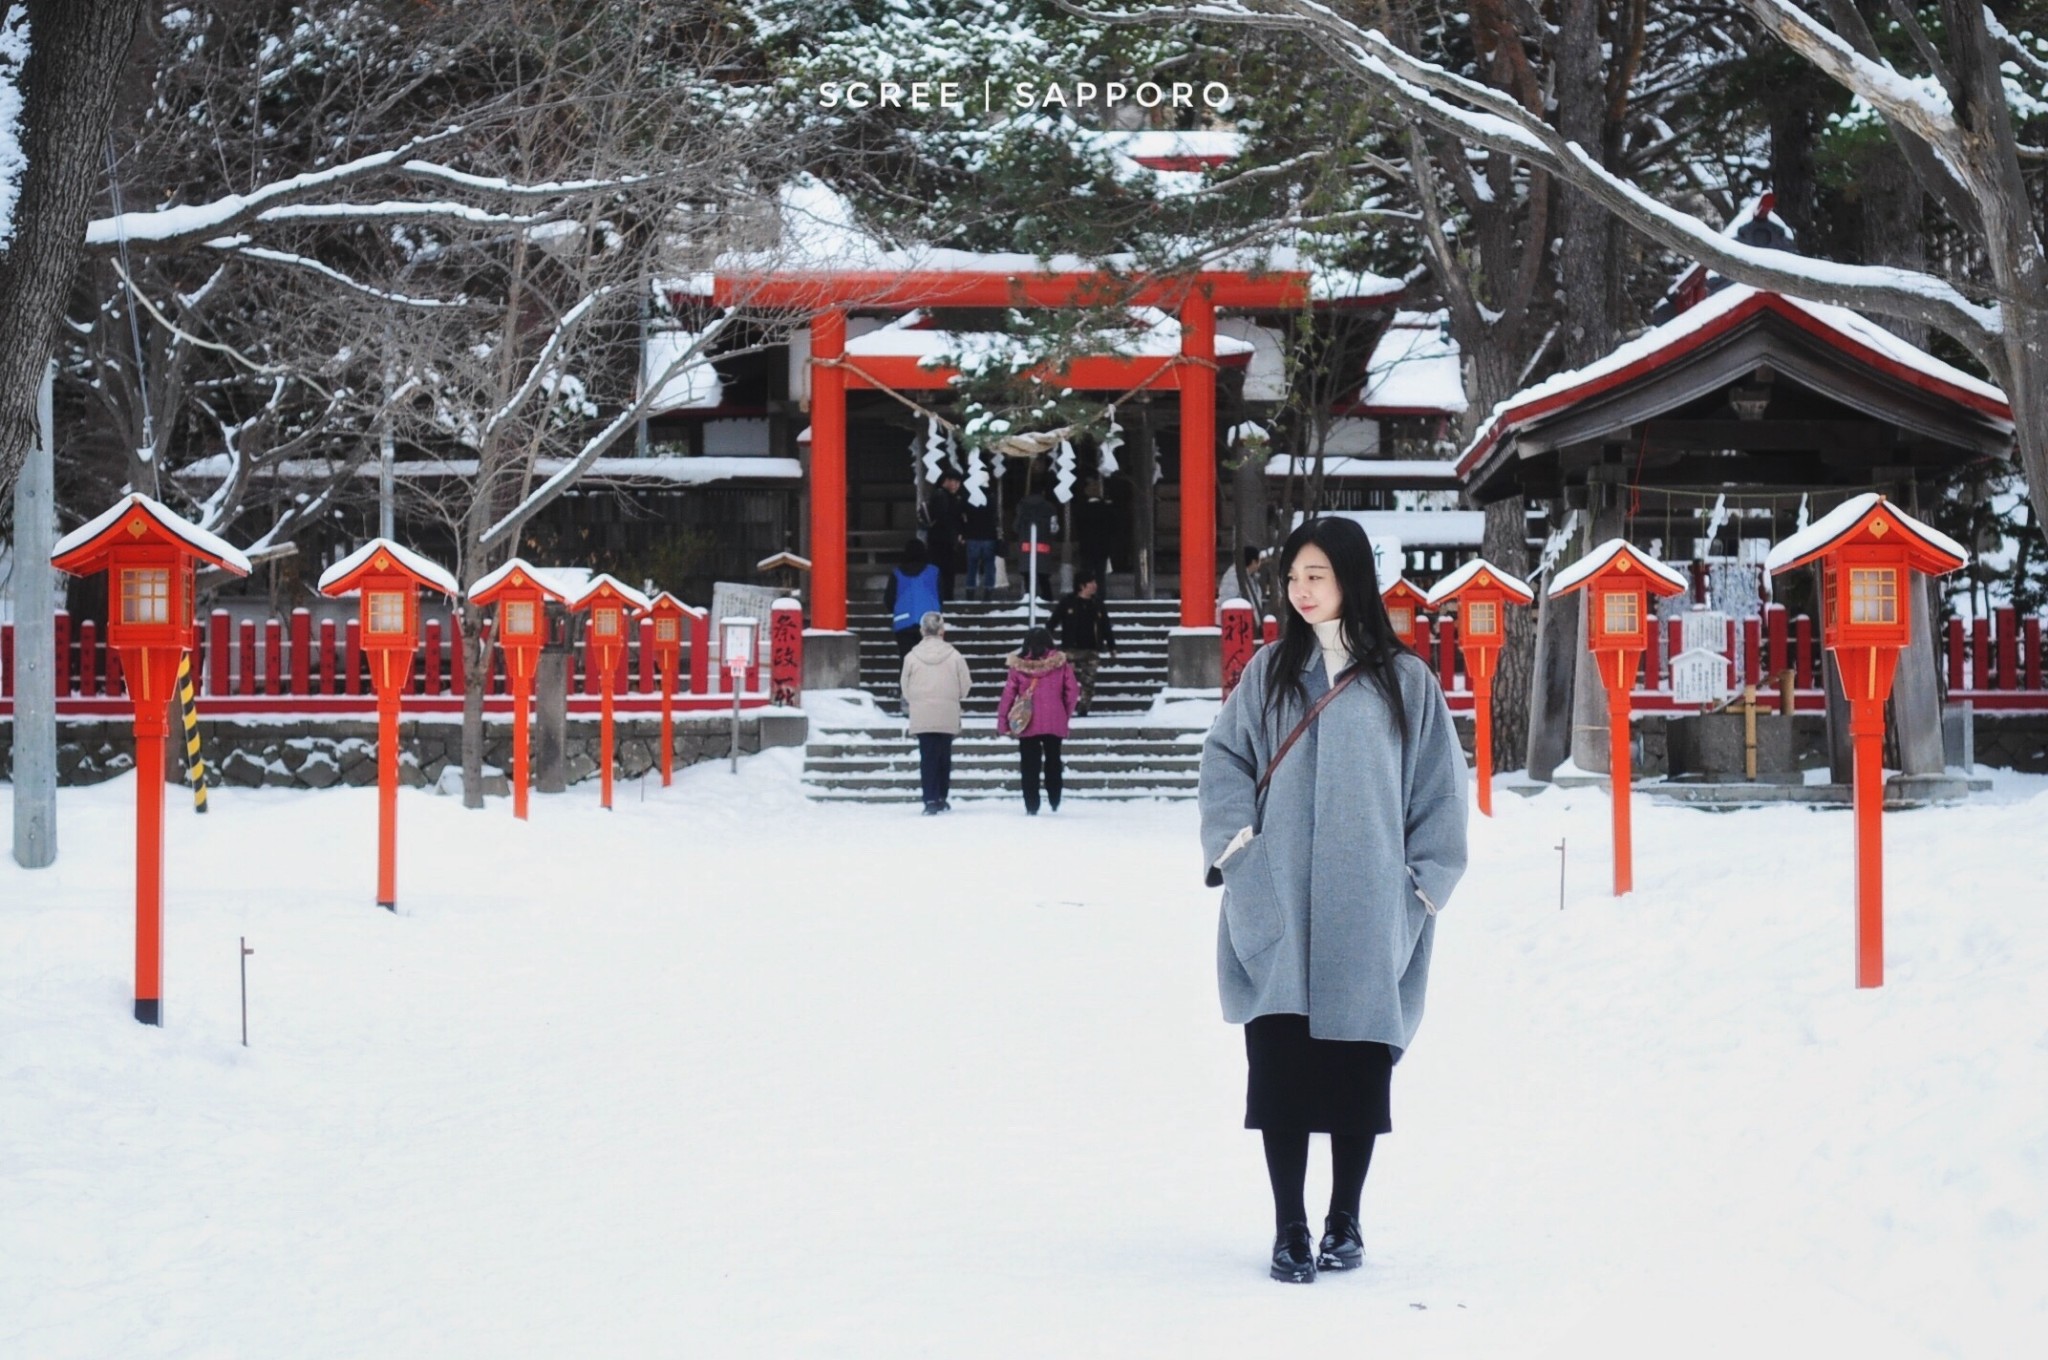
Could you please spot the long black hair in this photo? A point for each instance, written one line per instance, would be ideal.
(1037, 644)
(1368, 632)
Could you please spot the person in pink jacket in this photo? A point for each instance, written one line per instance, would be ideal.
(1039, 671)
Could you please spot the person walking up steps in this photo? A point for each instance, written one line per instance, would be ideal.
(935, 687)
(1038, 698)
(1333, 816)
(1081, 623)
(911, 592)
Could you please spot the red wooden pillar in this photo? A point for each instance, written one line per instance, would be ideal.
(1980, 654)
(1728, 650)
(63, 650)
(828, 470)
(1654, 658)
(1447, 652)
(273, 657)
(329, 679)
(218, 642)
(115, 681)
(88, 659)
(2034, 652)
(1752, 651)
(430, 672)
(352, 657)
(1774, 624)
(1237, 642)
(1955, 654)
(1269, 630)
(1802, 636)
(1197, 460)
(458, 658)
(302, 646)
(245, 636)
(649, 678)
(2008, 647)
(700, 651)
(6, 661)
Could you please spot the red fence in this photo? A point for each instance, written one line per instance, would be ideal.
(1995, 663)
(247, 669)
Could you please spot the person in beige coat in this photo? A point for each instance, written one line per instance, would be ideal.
(935, 684)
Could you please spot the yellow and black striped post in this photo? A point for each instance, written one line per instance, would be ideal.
(188, 710)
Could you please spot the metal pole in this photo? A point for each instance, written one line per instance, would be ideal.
(35, 642)
(738, 679)
(246, 952)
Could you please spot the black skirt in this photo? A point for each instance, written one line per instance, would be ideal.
(1321, 1085)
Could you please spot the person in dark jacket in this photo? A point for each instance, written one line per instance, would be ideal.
(1036, 514)
(1038, 669)
(983, 536)
(944, 511)
(1081, 623)
(1095, 533)
(911, 592)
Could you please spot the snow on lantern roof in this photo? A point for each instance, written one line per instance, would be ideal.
(663, 599)
(83, 549)
(603, 583)
(1941, 553)
(1659, 577)
(1415, 369)
(338, 579)
(1447, 587)
(909, 336)
(1720, 313)
(494, 584)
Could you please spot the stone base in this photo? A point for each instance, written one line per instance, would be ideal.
(1709, 746)
(1194, 658)
(831, 660)
(784, 729)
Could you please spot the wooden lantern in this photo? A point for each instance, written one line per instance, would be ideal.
(610, 604)
(521, 597)
(1483, 592)
(671, 618)
(149, 554)
(1868, 550)
(388, 579)
(1404, 609)
(1619, 580)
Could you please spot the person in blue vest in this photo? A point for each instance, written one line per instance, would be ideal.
(911, 592)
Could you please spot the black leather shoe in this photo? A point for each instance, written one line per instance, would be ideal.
(1293, 1258)
(1343, 1245)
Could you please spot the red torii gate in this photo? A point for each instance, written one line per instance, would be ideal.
(1193, 300)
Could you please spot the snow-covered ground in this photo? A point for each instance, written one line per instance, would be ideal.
(727, 1074)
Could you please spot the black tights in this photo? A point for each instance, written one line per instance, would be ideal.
(1287, 1168)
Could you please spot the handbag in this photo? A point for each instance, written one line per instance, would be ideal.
(1019, 716)
(1214, 877)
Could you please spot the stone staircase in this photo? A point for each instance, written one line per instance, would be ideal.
(1112, 753)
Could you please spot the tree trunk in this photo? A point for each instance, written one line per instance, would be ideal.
(1584, 248)
(1144, 499)
(1894, 229)
(1589, 741)
(474, 681)
(1506, 546)
(77, 52)
(35, 678)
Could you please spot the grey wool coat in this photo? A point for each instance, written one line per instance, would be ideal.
(1325, 911)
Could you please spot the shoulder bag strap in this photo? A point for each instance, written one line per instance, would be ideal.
(1315, 711)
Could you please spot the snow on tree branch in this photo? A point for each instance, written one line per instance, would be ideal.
(239, 246)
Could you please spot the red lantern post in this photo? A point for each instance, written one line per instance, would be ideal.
(1404, 608)
(522, 599)
(389, 579)
(670, 614)
(1619, 579)
(149, 554)
(610, 602)
(1867, 550)
(1483, 592)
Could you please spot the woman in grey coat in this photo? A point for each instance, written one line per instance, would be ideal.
(1332, 878)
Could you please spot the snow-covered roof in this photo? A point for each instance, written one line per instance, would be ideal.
(1157, 336)
(430, 572)
(1415, 369)
(1419, 472)
(695, 386)
(677, 469)
(821, 233)
(631, 597)
(209, 546)
(663, 598)
(1417, 528)
(1456, 581)
(1811, 541)
(1719, 313)
(541, 576)
(1581, 571)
